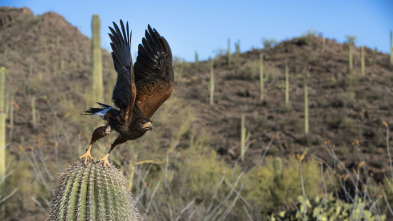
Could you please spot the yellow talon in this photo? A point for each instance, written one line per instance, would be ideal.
(105, 160)
(87, 154)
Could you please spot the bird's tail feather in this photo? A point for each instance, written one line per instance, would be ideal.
(98, 111)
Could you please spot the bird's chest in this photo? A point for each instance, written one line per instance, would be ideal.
(126, 131)
(131, 134)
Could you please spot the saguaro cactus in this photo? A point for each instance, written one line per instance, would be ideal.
(351, 40)
(91, 192)
(237, 46)
(362, 61)
(98, 91)
(242, 139)
(286, 84)
(277, 166)
(306, 129)
(261, 80)
(2, 123)
(196, 58)
(33, 113)
(211, 87)
(391, 47)
(229, 51)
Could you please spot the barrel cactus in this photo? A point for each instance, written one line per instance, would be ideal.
(92, 192)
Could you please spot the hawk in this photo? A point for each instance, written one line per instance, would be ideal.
(140, 89)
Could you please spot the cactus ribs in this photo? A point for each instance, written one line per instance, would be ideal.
(140, 89)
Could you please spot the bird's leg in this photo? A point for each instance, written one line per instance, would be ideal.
(119, 140)
(98, 133)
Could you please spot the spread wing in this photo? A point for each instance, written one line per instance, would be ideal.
(153, 72)
(124, 92)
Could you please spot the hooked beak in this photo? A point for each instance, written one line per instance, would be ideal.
(148, 126)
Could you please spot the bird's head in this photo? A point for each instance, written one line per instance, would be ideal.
(146, 124)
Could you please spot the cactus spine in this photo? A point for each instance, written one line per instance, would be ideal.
(211, 88)
(286, 84)
(98, 90)
(306, 129)
(229, 51)
(362, 61)
(2, 123)
(196, 58)
(261, 80)
(91, 192)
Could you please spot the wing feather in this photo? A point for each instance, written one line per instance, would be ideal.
(154, 75)
(124, 91)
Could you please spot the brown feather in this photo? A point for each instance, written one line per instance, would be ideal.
(154, 75)
(150, 98)
(131, 105)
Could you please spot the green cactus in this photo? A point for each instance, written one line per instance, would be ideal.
(391, 47)
(211, 87)
(237, 46)
(351, 40)
(362, 61)
(229, 51)
(196, 58)
(277, 166)
(7, 105)
(98, 88)
(92, 192)
(244, 137)
(261, 79)
(286, 84)
(306, 129)
(33, 113)
(2, 123)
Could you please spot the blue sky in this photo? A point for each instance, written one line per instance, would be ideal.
(205, 26)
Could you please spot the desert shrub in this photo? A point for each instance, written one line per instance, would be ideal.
(268, 191)
(189, 183)
(388, 195)
(309, 37)
(346, 99)
(353, 78)
(346, 123)
(269, 43)
(327, 208)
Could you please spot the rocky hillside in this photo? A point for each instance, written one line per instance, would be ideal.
(343, 106)
(50, 60)
(48, 63)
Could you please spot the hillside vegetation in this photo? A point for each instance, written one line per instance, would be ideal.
(190, 166)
